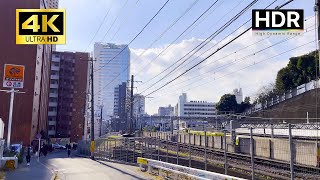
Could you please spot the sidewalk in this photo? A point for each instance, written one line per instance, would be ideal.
(36, 171)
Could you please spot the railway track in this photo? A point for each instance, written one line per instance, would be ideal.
(265, 166)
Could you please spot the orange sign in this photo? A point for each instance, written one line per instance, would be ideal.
(13, 76)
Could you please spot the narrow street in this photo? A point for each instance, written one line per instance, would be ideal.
(73, 168)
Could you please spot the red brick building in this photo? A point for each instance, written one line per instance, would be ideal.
(30, 109)
(67, 98)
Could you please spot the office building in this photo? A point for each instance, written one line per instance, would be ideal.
(112, 67)
(68, 91)
(30, 111)
(166, 111)
(187, 108)
(138, 105)
(120, 108)
(238, 94)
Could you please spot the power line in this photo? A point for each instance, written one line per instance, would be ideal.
(114, 20)
(182, 33)
(160, 36)
(104, 18)
(135, 36)
(243, 58)
(225, 45)
(167, 29)
(202, 45)
(255, 63)
(207, 83)
(123, 22)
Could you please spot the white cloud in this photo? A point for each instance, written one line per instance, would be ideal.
(200, 85)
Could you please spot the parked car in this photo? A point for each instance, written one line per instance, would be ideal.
(58, 146)
(16, 148)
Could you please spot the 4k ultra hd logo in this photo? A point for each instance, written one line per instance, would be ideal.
(40, 26)
(277, 22)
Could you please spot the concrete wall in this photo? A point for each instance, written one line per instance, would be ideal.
(210, 141)
(197, 140)
(261, 147)
(278, 149)
(306, 153)
(296, 107)
(203, 140)
(244, 145)
(217, 141)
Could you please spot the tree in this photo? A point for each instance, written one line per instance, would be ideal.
(247, 100)
(300, 70)
(244, 105)
(227, 102)
(265, 92)
(284, 80)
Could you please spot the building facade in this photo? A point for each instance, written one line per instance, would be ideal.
(186, 108)
(238, 94)
(166, 111)
(112, 67)
(138, 105)
(52, 4)
(120, 108)
(67, 98)
(31, 108)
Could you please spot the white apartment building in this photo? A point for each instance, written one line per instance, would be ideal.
(238, 94)
(194, 108)
(112, 67)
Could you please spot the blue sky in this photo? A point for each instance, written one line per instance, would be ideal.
(85, 16)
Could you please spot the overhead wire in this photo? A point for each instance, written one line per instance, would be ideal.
(223, 46)
(223, 16)
(160, 36)
(200, 46)
(144, 27)
(253, 64)
(95, 34)
(115, 19)
(182, 32)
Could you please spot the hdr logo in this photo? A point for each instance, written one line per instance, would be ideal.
(277, 22)
(40, 26)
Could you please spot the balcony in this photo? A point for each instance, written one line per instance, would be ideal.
(53, 104)
(51, 132)
(55, 59)
(52, 123)
(52, 113)
(55, 86)
(53, 95)
(55, 68)
(54, 77)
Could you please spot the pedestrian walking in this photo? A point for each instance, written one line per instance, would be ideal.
(45, 149)
(68, 146)
(28, 156)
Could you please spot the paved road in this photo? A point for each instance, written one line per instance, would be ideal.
(74, 168)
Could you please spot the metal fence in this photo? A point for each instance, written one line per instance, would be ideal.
(246, 156)
(285, 96)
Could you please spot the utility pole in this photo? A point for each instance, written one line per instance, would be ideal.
(101, 120)
(131, 105)
(92, 113)
(317, 13)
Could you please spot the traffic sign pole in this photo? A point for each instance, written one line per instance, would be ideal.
(12, 91)
(10, 116)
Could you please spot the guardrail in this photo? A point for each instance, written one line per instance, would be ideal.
(181, 170)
